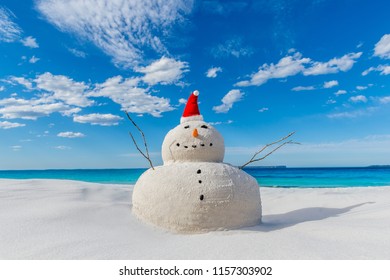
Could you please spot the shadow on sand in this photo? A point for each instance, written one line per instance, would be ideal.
(292, 218)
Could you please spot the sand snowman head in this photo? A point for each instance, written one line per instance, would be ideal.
(193, 140)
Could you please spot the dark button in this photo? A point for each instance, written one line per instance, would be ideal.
(177, 144)
(193, 146)
(199, 171)
(211, 144)
(200, 181)
(201, 197)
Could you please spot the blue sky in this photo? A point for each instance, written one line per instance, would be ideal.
(69, 69)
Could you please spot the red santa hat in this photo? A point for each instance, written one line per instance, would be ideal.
(191, 111)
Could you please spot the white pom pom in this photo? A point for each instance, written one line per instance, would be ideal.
(196, 92)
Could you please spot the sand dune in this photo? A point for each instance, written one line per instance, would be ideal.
(59, 219)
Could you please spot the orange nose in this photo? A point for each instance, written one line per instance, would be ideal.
(195, 133)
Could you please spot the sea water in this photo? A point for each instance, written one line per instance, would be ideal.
(322, 177)
(267, 177)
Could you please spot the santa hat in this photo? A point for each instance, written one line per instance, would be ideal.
(191, 111)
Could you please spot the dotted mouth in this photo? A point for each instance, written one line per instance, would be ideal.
(194, 146)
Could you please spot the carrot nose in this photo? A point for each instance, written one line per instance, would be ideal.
(195, 133)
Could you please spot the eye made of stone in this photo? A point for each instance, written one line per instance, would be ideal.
(187, 126)
(204, 126)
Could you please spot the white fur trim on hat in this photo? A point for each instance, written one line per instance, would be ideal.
(191, 118)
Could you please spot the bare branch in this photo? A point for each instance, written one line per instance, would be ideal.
(147, 156)
(254, 159)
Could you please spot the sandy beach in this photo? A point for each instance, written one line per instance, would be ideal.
(60, 219)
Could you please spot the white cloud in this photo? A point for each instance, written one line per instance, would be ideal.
(232, 47)
(343, 115)
(384, 100)
(358, 98)
(302, 88)
(124, 30)
(98, 119)
(58, 88)
(383, 69)
(287, 66)
(163, 71)
(367, 71)
(331, 84)
(2, 88)
(62, 148)
(213, 72)
(340, 92)
(64, 89)
(182, 101)
(31, 109)
(70, 134)
(33, 59)
(22, 81)
(264, 109)
(13, 101)
(222, 8)
(361, 87)
(9, 30)
(330, 101)
(62, 94)
(294, 64)
(16, 148)
(132, 98)
(8, 125)
(334, 65)
(30, 42)
(219, 123)
(77, 53)
(352, 114)
(382, 48)
(228, 100)
(70, 112)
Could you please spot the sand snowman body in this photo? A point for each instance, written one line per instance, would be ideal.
(194, 190)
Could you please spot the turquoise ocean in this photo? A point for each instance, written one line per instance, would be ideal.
(269, 177)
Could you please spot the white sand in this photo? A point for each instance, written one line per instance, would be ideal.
(57, 219)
